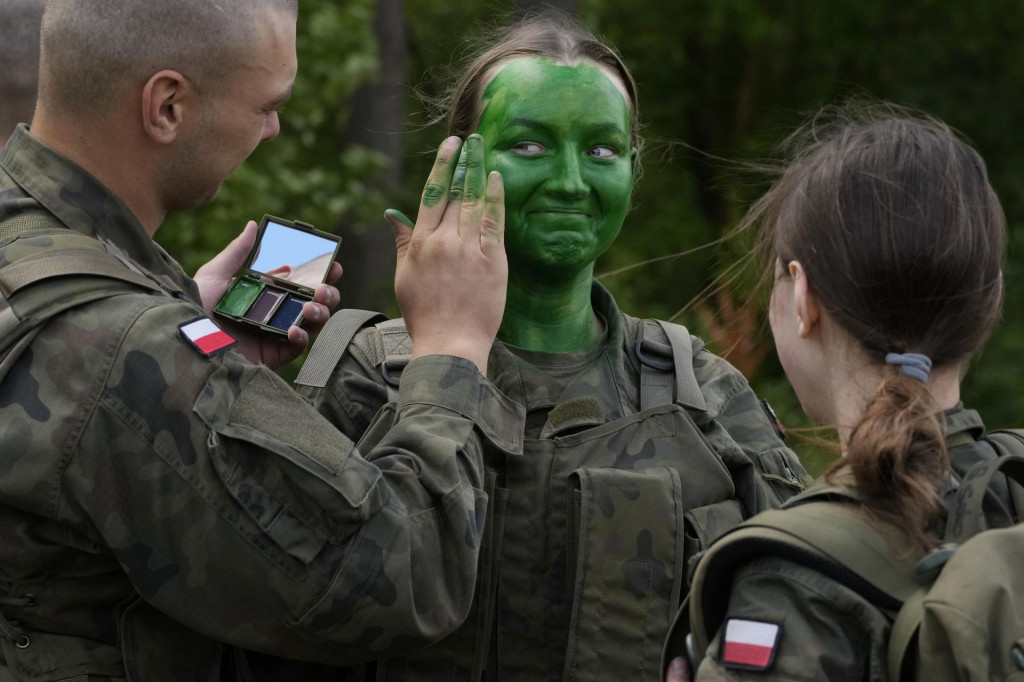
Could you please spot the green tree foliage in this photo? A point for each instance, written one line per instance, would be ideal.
(720, 81)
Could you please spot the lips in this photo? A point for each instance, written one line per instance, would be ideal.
(563, 211)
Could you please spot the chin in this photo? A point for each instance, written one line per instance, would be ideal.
(187, 200)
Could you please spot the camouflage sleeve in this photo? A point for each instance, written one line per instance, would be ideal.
(741, 431)
(354, 393)
(238, 510)
(825, 631)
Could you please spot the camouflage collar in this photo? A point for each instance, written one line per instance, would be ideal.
(962, 424)
(533, 388)
(83, 204)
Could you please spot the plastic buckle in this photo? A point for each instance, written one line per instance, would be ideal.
(388, 379)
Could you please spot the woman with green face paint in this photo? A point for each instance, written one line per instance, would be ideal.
(622, 447)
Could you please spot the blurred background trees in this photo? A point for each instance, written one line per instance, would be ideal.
(721, 81)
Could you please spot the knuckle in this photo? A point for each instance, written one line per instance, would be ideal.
(433, 193)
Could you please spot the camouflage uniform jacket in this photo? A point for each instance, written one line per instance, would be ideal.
(594, 516)
(156, 503)
(828, 631)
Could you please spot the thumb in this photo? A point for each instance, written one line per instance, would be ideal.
(403, 228)
(678, 671)
(228, 261)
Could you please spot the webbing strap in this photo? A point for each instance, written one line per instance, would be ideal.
(64, 263)
(904, 630)
(687, 391)
(657, 384)
(331, 343)
(397, 353)
(664, 383)
(1011, 442)
(28, 222)
(966, 517)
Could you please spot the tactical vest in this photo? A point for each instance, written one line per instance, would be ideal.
(589, 529)
(957, 611)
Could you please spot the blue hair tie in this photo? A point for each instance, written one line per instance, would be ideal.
(914, 365)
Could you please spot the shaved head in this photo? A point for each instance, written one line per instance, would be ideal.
(93, 51)
(19, 57)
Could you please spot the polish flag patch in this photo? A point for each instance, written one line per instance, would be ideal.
(750, 644)
(206, 337)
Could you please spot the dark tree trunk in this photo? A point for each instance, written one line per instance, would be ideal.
(571, 7)
(378, 115)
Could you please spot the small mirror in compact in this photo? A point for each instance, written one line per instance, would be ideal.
(289, 260)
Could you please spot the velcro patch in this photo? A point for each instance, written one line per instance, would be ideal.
(206, 337)
(750, 644)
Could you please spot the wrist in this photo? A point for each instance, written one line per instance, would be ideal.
(474, 350)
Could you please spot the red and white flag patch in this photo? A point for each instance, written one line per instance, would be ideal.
(750, 644)
(206, 337)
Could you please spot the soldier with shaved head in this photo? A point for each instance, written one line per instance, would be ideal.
(166, 500)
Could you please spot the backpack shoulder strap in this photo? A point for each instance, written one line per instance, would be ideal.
(1011, 442)
(65, 254)
(395, 347)
(60, 271)
(331, 344)
(1007, 441)
(665, 351)
(825, 530)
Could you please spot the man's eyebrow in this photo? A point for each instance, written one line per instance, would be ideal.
(281, 100)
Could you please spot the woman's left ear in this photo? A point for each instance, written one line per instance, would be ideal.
(634, 159)
(808, 309)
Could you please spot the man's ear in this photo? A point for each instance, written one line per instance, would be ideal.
(164, 105)
(805, 302)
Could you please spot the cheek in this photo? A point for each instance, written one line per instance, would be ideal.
(614, 185)
(519, 177)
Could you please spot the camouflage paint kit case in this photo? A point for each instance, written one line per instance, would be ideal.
(281, 273)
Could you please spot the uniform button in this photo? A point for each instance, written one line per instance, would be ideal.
(31, 600)
(23, 642)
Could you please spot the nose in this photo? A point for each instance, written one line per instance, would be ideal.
(271, 127)
(567, 176)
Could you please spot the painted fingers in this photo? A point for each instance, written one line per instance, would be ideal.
(452, 272)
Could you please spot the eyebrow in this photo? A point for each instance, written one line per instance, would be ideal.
(282, 99)
(537, 125)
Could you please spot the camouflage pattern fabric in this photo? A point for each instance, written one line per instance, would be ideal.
(592, 523)
(157, 504)
(829, 632)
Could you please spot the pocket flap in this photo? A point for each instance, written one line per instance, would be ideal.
(628, 570)
(297, 481)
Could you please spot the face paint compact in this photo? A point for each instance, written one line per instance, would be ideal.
(281, 273)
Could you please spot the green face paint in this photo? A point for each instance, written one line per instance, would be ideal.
(560, 137)
(242, 295)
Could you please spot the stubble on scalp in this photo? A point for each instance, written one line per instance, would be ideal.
(93, 51)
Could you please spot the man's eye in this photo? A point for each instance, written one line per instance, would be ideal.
(602, 152)
(528, 148)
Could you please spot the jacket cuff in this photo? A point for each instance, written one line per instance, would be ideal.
(456, 384)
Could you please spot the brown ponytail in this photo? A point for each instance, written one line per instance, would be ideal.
(903, 239)
(897, 454)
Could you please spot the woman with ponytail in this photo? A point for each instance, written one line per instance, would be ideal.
(887, 243)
